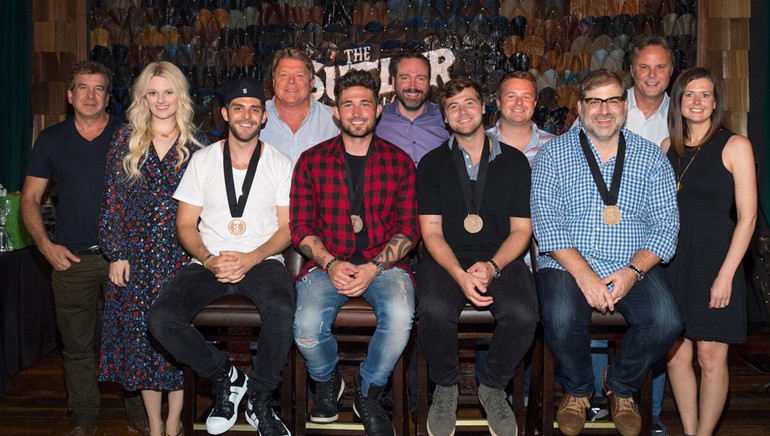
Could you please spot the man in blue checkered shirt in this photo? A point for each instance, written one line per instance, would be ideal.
(604, 214)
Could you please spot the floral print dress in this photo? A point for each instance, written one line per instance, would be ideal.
(138, 225)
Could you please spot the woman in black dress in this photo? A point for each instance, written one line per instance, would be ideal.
(716, 182)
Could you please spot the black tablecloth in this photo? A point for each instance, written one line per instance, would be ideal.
(27, 317)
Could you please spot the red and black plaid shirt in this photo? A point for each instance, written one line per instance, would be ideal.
(320, 205)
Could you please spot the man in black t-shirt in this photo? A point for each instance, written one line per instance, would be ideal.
(73, 154)
(473, 200)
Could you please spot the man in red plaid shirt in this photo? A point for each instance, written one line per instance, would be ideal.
(353, 213)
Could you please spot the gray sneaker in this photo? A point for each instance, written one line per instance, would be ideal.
(500, 417)
(442, 415)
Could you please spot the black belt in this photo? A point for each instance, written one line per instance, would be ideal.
(96, 251)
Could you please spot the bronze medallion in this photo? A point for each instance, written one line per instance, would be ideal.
(611, 215)
(358, 223)
(473, 223)
(236, 227)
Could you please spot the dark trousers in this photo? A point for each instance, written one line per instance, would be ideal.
(76, 291)
(649, 309)
(268, 285)
(439, 303)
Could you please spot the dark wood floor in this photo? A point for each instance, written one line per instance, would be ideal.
(36, 405)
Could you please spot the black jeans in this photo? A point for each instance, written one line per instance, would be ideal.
(439, 303)
(268, 284)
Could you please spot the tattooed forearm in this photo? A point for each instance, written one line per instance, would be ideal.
(398, 247)
(320, 252)
(306, 250)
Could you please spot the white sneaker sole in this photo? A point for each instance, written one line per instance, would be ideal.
(430, 433)
(219, 425)
(328, 419)
(255, 422)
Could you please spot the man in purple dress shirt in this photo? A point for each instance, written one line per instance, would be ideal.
(412, 122)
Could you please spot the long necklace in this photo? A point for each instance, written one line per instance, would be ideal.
(678, 167)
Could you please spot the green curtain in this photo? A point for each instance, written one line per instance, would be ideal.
(15, 91)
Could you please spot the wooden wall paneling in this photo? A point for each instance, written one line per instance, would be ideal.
(62, 10)
(39, 97)
(736, 94)
(81, 21)
(737, 122)
(44, 36)
(731, 8)
(58, 43)
(65, 36)
(724, 44)
(66, 61)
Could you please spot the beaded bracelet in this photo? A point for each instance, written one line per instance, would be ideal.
(329, 264)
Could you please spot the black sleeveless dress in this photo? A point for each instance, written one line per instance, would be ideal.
(707, 215)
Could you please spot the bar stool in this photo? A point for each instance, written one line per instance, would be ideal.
(473, 324)
(355, 323)
(542, 398)
(235, 319)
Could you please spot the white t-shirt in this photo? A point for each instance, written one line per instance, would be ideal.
(655, 128)
(203, 184)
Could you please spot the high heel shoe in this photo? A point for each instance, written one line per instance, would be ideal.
(178, 433)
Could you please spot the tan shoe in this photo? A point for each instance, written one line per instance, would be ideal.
(82, 430)
(624, 414)
(571, 415)
(141, 426)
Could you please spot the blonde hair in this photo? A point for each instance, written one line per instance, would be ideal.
(140, 117)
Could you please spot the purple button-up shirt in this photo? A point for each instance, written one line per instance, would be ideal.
(417, 137)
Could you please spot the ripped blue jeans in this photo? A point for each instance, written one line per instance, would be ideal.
(391, 295)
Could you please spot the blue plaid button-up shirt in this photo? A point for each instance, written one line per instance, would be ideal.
(567, 207)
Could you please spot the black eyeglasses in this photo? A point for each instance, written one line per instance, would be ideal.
(613, 102)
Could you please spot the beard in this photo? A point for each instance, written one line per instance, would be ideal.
(357, 132)
(248, 137)
(411, 105)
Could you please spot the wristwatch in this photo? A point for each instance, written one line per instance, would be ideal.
(379, 265)
(639, 273)
(496, 274)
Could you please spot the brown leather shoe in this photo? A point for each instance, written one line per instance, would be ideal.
(571, 415)
(624, 414)
(141, 426)
(82, 430)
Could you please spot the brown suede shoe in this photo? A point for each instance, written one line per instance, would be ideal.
(571, 415)
(82, 430)
(624, 414)
(141, 426)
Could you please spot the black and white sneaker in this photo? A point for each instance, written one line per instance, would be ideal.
(325, 399)
(228, 390)
(260, 414)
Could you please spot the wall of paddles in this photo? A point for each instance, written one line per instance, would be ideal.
(214, 41)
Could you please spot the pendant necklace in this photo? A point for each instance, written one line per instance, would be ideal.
(681, 174)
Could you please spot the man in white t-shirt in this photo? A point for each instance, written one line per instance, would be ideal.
(234, 219)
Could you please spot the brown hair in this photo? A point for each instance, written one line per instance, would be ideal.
(292, 53)
(356, 78)
(406, 54)
(90, 67)
(599, 78)
(677, 125)
(456, 86)
(642, 42)
(523, 75)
